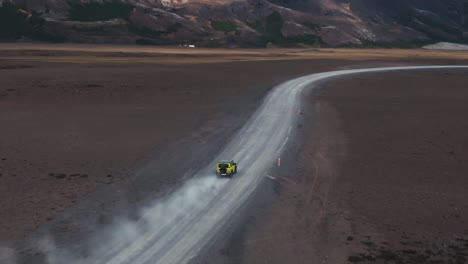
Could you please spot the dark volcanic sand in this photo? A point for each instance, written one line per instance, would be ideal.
(109, 138)
(69, 128)
(378, 172)
(81, 143)
(404, 180)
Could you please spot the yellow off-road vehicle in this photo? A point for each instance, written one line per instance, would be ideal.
(226, 168)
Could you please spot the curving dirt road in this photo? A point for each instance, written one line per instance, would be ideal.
(175, 229)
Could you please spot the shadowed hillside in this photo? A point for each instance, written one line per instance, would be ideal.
(238, 23)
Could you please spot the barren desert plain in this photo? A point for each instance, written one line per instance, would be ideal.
(376, 171)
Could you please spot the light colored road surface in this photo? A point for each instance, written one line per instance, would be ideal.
(176, 228)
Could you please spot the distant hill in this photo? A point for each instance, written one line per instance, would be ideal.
(237, 23)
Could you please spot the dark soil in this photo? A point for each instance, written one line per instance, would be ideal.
(377, 175)
(83, 143)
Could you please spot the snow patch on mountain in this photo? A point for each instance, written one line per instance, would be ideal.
(446, 46)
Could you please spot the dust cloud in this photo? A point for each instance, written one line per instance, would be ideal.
(124, 238)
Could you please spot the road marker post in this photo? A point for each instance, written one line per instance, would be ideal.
(279, 162)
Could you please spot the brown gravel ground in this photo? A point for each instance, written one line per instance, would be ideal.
(83, 142)
(379, 176)
(70, 128)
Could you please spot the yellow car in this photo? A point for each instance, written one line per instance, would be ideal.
(226, 168)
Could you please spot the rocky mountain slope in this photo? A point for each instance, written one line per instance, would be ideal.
(246, 23)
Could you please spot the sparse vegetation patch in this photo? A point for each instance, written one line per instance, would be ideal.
(271, 32)
(412, 252)
(95, 11)
(153, 34)
(226, 26)
(15, 24)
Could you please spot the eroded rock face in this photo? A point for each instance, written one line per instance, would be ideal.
(246, 22)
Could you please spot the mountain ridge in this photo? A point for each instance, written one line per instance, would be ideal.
(237, 23)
